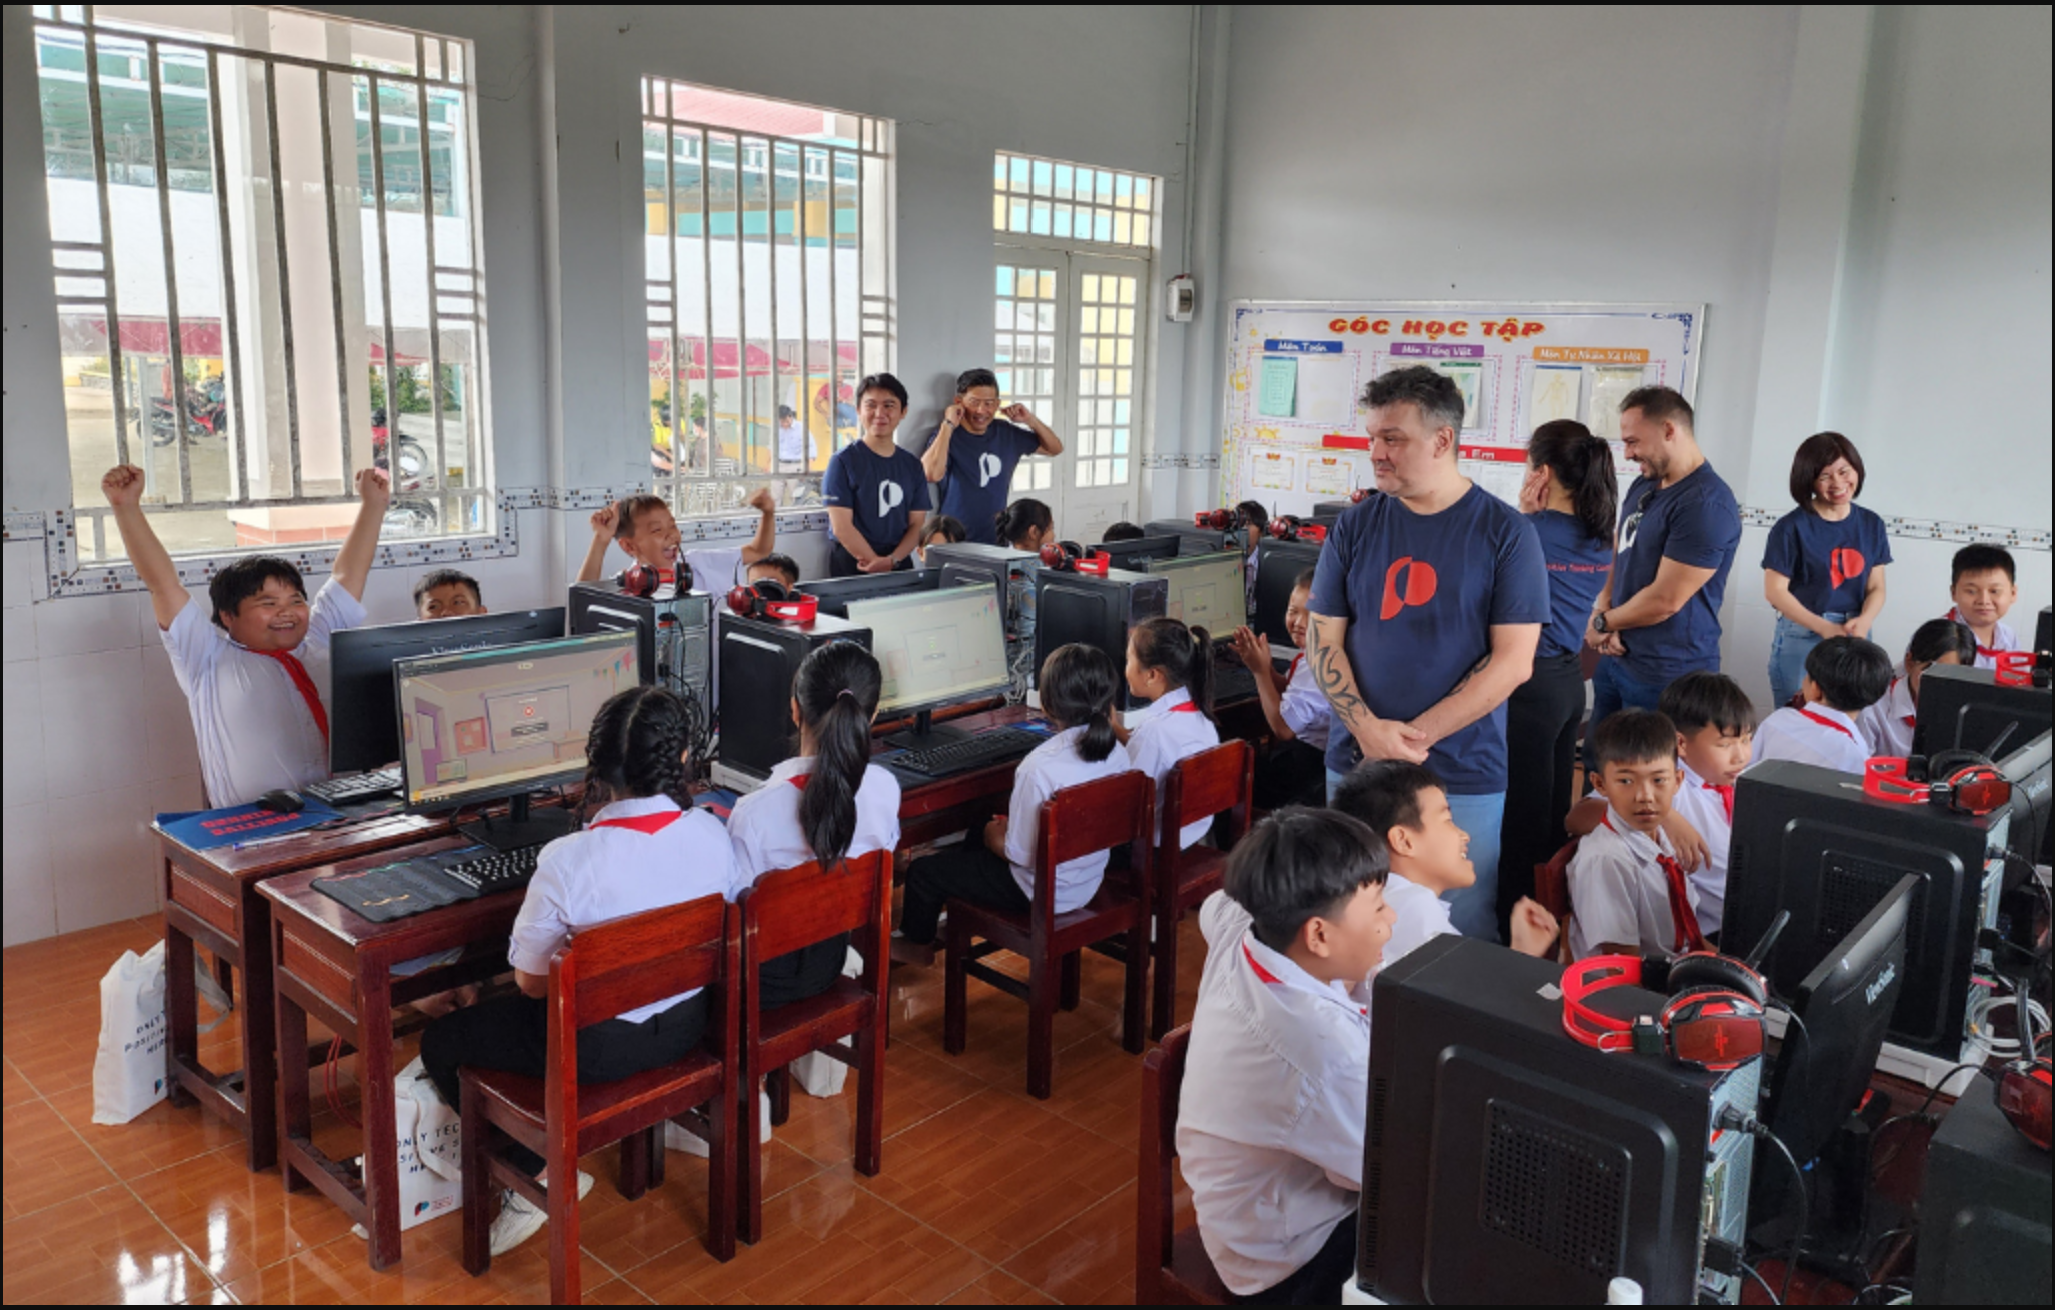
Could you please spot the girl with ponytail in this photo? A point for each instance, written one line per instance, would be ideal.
(1569, 496)
(1026, 525)
(1171, 666)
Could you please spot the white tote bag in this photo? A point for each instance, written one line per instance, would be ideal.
(129, 1070)
(430, 1181)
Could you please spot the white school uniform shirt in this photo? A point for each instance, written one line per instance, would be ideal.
(1619, 892)
(1171, 730)
(765, 825)
(1046, 770)
(611, 869)
(2003, 639)
(1271, 1120)
(1305, 710)
(1813, 735)
(1888, 725)
(715, 570)
(1419, 916)
(1702, 806)
(254, 729)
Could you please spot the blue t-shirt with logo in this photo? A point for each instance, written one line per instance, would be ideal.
(1696, 522)
(976, 482)
(1577, 563)
(881, 492)
(1829, 563)
(1422, 593)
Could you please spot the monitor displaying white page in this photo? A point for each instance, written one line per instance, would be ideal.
(936, 648)
(1206, 591)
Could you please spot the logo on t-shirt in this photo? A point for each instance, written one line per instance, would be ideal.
(1845, 563)
(988, 469)
(890, 494)
(1408, 582)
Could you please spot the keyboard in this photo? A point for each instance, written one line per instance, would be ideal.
(346, 788)
(1233, 681)
(982, 751)
(497, 871)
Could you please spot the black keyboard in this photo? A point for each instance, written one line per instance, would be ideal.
(345, 788)
(497, 871)
(981, 751)
(1233, 681)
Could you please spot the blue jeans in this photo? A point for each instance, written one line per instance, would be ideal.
(1790, 644)
(1473, 909)
(1615, 689)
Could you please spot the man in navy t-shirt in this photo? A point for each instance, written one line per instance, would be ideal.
(875, 492)
(1658, 616)
(973, 453)
(1427, 604)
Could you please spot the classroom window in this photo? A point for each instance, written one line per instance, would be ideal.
(1072, 202)
(264, 231)
(767, 264)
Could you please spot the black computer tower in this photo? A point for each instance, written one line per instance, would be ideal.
(1505, 1163)
(968, 560)
(1327, 511)
(759, 659)
(1098, 610)
(1985, 1211)
(674, 638)
(1808, 840)
(1969, 709)
(1277, 564)
(1196, 540)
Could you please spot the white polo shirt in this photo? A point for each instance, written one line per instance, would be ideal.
(1888, 725)
(1305, 710)
(253, 727)
(1619, 892)
(1168, 731)
(614, 868)
(1271, 1119)
(1045, 771)
(765, 825)
(714, 570)
(1814, 735)
(1703, 806)
(2003, 639)
(1420, 916)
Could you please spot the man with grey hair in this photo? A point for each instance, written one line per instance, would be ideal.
(1427, 605)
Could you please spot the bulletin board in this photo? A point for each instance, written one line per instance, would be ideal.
(1293, 431)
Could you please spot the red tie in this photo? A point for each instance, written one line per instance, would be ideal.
(302, 683)
(1294, 668)
(1685, 934)
(799, 780)
(646, 824)
(1826, 722)
(1727, 798)
(1983, 652)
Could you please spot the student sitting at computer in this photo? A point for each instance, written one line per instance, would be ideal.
(644, 848)
(938, 528)
(1172, 667)
(876, 493)
(1026, 525)
(645, 529)
(1427, 856)
(1716, 725)
(1256, 520)
(1981, 592)
(779, 568)
(1299, 716)
(1628, 891)
(1888, 725)
(1844, 677)
(998, 869)
(447, 594)
(1271, 1120)
(252, 655)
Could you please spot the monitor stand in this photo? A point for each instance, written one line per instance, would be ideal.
(924, 734)
(520, 826)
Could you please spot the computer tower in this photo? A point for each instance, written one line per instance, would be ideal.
(1196, 540)
(1330, 510)
(1985, 1211)
(1808, 840)
(674, 638)
(759, 659)
(1097, 610)
(1277, 564)
(1000, 563)
(1969, 709)
(1506, 1163)
(2045, 639)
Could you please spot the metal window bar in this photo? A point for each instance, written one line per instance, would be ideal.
(232, 382)
(385, 277)
(285, 277)
(435, 335)
(162, 158)
(117, 372)
(335, 269)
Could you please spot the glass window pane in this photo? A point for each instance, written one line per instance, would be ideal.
(1024, 283)
(1017, 216)
(999, 213)
(1047, 284)
(1038, 218)
(1063, 181)
(1003, 314)
(1004, 280)
(1121, 227)
(1060, 221)
(1017, 173)
(1042, 177)
(1102, 225)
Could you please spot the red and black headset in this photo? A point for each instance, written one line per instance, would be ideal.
(641, 580)
(1070, 557)
(1963, 781)
(768, 598)
(1220, 520)
(2026, 1089)
(1290, 527)
(1713, 1020)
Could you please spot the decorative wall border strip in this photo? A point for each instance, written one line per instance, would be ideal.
(1898, 525)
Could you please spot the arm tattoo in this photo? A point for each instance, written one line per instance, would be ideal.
(1470, 673)
(1331, 671)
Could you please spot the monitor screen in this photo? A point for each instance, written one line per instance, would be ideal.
(1206, 591)
(936, 648)
(500, 722)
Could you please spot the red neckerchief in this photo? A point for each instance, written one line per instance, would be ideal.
(647, 824)
(302, 683)
(1984, 652)
(1187, 708)
(1727, 798)
(1685, 934)
(1826, 722)
(1294, 667)
(799, 780)
(1263, 975)
(1909, 718)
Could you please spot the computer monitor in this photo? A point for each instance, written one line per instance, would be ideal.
(1968, 709)
(482, 725)
(935, 649)
(1096, 610)
(1278, 564)
(758, 659)
(1137, 553)
(1206, 591)
(362, 733)
(1505, 1163)
(1985, 1212)
(835, 595)
(1808, 840)
(1194, 540)
(2028, 769)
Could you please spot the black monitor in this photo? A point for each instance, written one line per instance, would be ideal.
(759, 659)
(836, 594)
(1985, 1212)
(1194, 540)
(1505, 1163)
(1808, 840)
(2045, 638)
(1968, 709)
(935, 649)
(674, 643)
(1097, 610)
(362, 734)
(1138, 553)
(1327, 511)
(2028, 769)
(1277, 564)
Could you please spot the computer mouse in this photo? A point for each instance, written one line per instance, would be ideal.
(282, 802)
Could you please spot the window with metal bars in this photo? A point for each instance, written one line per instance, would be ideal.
(767, 258)
(264, 230)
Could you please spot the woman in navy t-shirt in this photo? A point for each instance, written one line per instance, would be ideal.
(1569, 497)
(1824, 566)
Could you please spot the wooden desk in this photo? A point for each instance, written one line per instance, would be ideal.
(964, 801)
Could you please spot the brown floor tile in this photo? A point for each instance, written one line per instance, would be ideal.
(161, 1136)
(236, 1222)
(999, 1288)
(103, 1246)
(46, 1162)
(1090, 1257)
(14, 1089)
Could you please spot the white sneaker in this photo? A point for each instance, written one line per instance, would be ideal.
(520, 1219)
(677, 1137)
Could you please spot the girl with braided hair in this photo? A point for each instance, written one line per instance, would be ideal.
(643, 848)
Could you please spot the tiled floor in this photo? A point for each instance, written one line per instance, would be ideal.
(986, 1194)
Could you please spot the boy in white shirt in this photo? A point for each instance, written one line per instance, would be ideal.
(646, 530)
(1428, 856)
(1888, 725)
(1981, 591)
(1298, 715)
(1628, 891)
(252, 655)
(1844, 677)
(1715, 724)
(1271, 1119)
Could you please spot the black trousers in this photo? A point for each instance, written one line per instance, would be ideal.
(1291, 773)
(1319, 1281)
(842, 564)
(1541, 751)
(970, 872)
(797, 975)
(511, 1034)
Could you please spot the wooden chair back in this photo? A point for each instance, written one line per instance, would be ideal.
(1219, 780)
(1095, 816)
(788, 909)
(1158, 1279)
(1553, 891)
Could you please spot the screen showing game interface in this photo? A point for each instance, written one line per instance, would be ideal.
(1206, 591)
(483, 722)
(936, 647)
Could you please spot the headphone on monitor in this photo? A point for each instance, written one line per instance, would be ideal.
(1962, 781)
(768, 598)
(1713, 1020)
(1220, 520)
(1070, 557)
(1290, 527)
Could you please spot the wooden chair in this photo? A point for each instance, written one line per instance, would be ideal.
(1076, 821)
(785, 911)
(600, 973)
(1553, 892)
(1212, 782)
(1171, 1265)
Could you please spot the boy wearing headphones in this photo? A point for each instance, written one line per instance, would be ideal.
(646, 530)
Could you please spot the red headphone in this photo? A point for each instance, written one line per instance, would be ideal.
(1360, 495)
(2025, 1091)
(1070, 557)
(1220, 520)
(641, 580)
(767, 598)
(1288, 527)
(1713, 1020)
(2014, 668)
(1963, 781)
